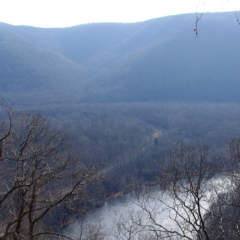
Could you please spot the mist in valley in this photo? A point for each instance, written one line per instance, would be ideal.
(152, 214)
(112, 131)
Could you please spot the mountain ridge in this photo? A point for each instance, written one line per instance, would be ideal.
(154, 60)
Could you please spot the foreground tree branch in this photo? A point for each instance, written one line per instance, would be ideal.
(37, 176)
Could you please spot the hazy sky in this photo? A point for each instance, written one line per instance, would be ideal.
(61, 13)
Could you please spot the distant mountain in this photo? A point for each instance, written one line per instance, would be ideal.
(29, 71)
(165, 62)
(156, 60)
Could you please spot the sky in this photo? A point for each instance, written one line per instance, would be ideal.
(63, 13)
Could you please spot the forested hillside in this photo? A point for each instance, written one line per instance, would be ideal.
(156, 60)
(100, 112)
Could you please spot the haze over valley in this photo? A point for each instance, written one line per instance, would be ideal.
(121, 130)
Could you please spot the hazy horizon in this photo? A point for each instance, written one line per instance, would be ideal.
(117, 22)
(59, 14)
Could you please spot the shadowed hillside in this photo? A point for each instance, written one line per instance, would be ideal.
(156, 60)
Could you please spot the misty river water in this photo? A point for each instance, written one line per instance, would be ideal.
(133, 217)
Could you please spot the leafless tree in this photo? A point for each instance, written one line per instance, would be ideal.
(224, 222)
(182, 210)
(37, 176)
(200, 200)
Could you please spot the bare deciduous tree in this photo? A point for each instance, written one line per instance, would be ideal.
(182, 210)
(37, 175)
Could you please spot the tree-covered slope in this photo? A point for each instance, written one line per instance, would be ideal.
(174, 65)
(156, 60)
(27, 70)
